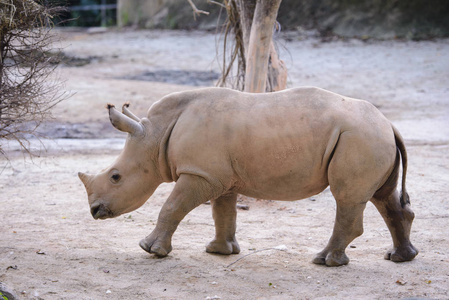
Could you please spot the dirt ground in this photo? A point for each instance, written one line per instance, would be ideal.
(51, 247)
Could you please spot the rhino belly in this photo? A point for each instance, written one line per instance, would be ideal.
(291, 180)
(282, 192)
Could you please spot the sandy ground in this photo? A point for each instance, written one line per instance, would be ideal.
(51, 248)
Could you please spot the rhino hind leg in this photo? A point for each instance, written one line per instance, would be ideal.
(399, 221)
(189, 192)
(354, 172)
(224, 212)
(348, 225)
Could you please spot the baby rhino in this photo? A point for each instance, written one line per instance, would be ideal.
(216, 143)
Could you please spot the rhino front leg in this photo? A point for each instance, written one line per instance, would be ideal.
(399, 221)
(348, 225)
(190, 191)
(224, 212)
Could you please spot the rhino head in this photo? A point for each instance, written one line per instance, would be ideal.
(133, 177)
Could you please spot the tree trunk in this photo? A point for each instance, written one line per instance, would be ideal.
(277, 72)
(246, 12)
(259, 47)
(259, 68)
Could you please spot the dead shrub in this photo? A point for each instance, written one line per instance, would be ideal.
(28, 89)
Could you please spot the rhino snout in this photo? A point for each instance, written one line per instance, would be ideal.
(100, 211)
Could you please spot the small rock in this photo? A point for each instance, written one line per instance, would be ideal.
(96, 30)
(243, 206)
(401, 282)
(281, 247)
(6, 292)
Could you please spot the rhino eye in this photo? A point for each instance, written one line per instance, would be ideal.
(115, 178)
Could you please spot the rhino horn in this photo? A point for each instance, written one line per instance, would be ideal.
(127, 112)
(124, 123)
(85, 178)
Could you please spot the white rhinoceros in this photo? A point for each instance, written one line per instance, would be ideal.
(216, 143)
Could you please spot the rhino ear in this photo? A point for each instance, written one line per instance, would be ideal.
(124, 123)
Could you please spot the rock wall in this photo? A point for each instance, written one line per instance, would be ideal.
(412, 19)
(382, 19)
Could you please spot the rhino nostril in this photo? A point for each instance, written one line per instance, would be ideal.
(100, 211)
(94, 209)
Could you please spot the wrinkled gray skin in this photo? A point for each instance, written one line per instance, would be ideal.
(216, 143)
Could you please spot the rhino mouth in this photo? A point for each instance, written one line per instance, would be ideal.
(100, 211)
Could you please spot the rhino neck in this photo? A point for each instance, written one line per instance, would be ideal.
(163, 163)
(163, 116)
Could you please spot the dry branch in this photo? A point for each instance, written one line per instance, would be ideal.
(196, 11)
(233, 38)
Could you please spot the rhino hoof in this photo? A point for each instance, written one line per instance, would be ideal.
(223, 247)
(331, 259)
(402, 254)
(319, 260)
(336, 258)
(154, 249)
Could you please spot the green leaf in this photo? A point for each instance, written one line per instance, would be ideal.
(3, 296)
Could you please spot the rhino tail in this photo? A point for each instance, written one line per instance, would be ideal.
(404, 197)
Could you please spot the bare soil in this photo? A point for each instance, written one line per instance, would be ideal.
(51, 247)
